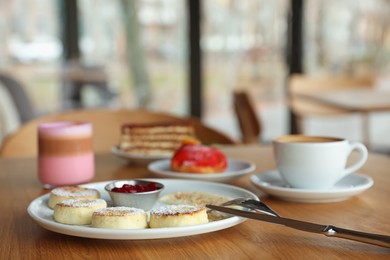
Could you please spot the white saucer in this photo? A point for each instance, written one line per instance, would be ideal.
(235, 169)
(138, 159)
(272, 183)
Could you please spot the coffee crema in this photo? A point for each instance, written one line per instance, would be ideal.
(307, 139)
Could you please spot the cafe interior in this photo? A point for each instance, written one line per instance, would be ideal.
(249, 78)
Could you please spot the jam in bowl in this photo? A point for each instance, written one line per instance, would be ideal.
(141, 194)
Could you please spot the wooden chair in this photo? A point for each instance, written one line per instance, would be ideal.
(106, 129)
(19, 96)
(304, 108)
(9, 114)
(247, 118)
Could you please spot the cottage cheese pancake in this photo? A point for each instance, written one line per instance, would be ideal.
(177, 216)
(195, 198)
(71, 192)
(120, 218)
(77, 211)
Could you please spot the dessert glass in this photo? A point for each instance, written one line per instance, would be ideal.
(65, 153)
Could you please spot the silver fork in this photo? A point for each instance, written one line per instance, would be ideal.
(251, 204)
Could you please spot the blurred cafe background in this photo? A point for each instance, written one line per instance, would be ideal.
(188, 57)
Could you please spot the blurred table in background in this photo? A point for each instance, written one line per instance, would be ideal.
(353, 100)
(75, 77)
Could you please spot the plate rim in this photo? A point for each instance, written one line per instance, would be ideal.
(136, 234)
(298, 195)
(204, 176)
(116, 151)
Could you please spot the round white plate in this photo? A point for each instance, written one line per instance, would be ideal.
(43, 215)
(138, 159)
(236, 168)
(273, 184)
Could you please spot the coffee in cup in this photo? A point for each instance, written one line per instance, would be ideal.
(315, 162)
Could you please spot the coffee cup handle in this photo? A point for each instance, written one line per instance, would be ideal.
(359, 163)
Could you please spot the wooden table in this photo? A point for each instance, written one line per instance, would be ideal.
(353, 100)
(22, 238)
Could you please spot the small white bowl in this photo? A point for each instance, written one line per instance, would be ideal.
(143, 200)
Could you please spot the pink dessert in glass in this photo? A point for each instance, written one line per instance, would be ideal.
(65, 153)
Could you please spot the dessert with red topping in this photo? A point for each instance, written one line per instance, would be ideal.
(193, 157)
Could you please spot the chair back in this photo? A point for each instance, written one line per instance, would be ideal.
(20, 98)
(106, 129)
(248, 121)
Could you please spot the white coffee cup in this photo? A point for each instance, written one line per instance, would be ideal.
(314, 162)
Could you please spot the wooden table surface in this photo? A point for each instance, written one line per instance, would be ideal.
(22, 238)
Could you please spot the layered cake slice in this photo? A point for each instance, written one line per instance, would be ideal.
(154, 138)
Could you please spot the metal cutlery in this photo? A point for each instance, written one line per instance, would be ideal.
(251, 204)
(327, 230)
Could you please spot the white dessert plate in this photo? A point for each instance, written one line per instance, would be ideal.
(43, 215)
(272, 183)
(235, 169)
(138, 159)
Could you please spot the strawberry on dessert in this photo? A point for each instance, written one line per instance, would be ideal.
(193, 157)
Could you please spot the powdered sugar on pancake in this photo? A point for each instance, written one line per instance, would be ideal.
(172, 210)
(78, 203)
(118, 211)
(195, 198)
(74, 191)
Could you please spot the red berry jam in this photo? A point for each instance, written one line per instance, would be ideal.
(128, 188)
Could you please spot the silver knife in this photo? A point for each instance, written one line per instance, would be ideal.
(327, 230)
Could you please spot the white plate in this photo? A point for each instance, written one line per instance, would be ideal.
(273, 184)
(43, 215)
(138, 159)
(236, 168)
